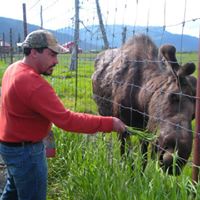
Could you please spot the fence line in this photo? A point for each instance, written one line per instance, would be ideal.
(92, 33)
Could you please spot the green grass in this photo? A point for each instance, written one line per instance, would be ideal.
(188, 57)
(90, 167)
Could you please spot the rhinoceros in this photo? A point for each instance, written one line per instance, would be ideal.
(147, 88)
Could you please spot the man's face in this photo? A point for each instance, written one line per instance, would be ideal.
(46, 61)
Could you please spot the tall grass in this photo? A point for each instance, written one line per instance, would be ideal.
(87, 168)
(90, 167)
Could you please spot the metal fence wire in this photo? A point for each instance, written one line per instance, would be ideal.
(95, 25)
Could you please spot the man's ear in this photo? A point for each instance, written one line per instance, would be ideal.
(33, 53)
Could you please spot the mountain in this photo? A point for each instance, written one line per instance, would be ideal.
(91, 39)
(18, 32)
(184, 43)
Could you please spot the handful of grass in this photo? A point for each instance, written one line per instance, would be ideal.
(141, 134)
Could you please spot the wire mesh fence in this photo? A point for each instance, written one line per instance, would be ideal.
(104, 25)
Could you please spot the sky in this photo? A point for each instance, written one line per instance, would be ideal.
(60, 13)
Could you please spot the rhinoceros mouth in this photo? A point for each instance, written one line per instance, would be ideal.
(171, 163)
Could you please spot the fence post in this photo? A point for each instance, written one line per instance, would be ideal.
(196, 156)
(41, 17)
(24, 19)
(4, 44)
(101, 24)
(11, 46)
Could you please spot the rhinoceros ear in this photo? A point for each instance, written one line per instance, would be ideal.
(167, 54)
(186, 69)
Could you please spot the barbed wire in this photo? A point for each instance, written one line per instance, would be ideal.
(113, 33)
(65, 17)
(34, 5)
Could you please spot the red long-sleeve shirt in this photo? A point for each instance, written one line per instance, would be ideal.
(29, 106)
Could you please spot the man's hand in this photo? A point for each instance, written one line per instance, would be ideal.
(118, 125)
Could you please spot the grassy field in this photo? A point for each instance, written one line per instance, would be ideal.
(90, 167)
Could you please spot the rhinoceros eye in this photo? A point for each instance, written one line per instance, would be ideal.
(174, 97)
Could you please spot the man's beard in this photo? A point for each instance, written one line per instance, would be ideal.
(46, 74)
(49, 71)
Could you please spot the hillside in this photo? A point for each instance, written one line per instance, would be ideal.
(18, 32)
(183, 43)
(90, 37)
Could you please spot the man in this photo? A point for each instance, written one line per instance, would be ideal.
(29, 106)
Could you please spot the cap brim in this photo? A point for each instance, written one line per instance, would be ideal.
(19, 44)
(58, 49)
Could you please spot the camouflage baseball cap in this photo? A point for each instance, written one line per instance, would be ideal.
(42, 39)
